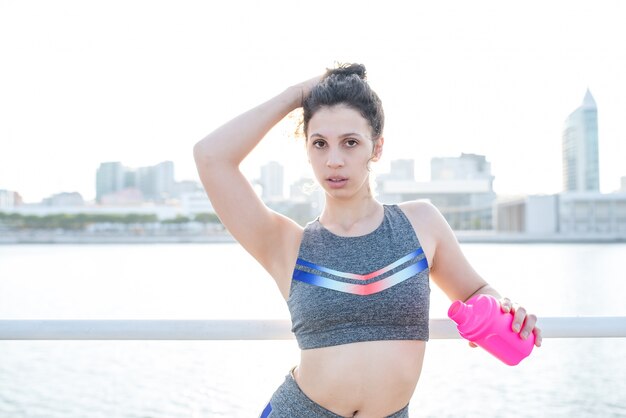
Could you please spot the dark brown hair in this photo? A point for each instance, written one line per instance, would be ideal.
(347, 85)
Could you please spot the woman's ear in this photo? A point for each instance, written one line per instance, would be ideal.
(378, 149)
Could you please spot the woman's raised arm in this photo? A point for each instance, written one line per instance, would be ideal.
(265, 234)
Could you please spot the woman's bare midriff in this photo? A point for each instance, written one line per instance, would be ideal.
(370, 379)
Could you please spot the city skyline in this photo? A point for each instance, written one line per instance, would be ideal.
(454, 78)
(267, 175)
(460, 187)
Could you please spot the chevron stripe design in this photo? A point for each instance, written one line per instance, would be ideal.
(360, 289)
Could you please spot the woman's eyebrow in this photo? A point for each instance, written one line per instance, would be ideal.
(340, 136)
(350, 134)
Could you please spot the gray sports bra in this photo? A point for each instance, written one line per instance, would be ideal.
(365, 288)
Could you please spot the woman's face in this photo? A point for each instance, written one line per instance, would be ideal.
(339, 147)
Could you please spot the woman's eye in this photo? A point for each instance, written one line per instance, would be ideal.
(351, 143)
(318, 144)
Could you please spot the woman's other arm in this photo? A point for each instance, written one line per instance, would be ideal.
(452, 272)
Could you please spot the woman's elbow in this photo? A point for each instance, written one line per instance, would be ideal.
(202, 153)
(197, 150)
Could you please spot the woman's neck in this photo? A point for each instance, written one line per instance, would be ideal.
(354, 217)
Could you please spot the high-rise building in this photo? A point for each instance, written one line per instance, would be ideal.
(153, 183)
(580, 148)
(272, 181)
(109, 179)
(164, 178)
(156, 182)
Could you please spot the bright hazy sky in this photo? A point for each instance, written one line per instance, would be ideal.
(140, 82)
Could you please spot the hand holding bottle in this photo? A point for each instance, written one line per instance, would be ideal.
(496, 327)
(523, 323)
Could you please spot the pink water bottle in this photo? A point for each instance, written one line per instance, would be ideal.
(482, 322)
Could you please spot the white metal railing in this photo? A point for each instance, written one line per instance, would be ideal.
(21, 329)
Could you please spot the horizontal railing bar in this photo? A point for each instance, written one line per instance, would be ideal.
(26, 329)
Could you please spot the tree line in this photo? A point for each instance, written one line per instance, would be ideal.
(80, 221)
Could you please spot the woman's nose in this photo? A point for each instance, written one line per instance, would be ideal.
(335, 159)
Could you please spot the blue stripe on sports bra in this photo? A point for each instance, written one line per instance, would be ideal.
(361, 289)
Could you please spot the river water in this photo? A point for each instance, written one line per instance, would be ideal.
(141, 379)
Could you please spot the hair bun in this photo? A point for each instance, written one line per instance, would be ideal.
(345, 84)
(347, 70)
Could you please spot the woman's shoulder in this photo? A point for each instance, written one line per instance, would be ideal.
(420, 210)
(428, 223)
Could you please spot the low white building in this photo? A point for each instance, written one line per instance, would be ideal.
(64, 199)
(466, 204)
(571, 213)
(460, 187)
(192, 203)
(592, 213)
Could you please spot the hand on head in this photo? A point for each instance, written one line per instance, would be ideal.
(305, 87)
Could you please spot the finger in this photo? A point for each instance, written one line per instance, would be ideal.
(519, 315)
(529, 325)
(538, 337)
(506, 305)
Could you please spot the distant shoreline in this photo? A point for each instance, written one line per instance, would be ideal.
(39, 237)
(57, 238)
(526, 238)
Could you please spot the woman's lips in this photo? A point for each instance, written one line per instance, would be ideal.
(336, 182)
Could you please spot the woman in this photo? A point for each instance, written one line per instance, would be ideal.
(355, 279)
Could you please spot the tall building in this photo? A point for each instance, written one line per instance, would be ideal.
(580, 148)
(153, 183)
(109, 179)
(164, 178)
(272, 180)
(156, 182)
